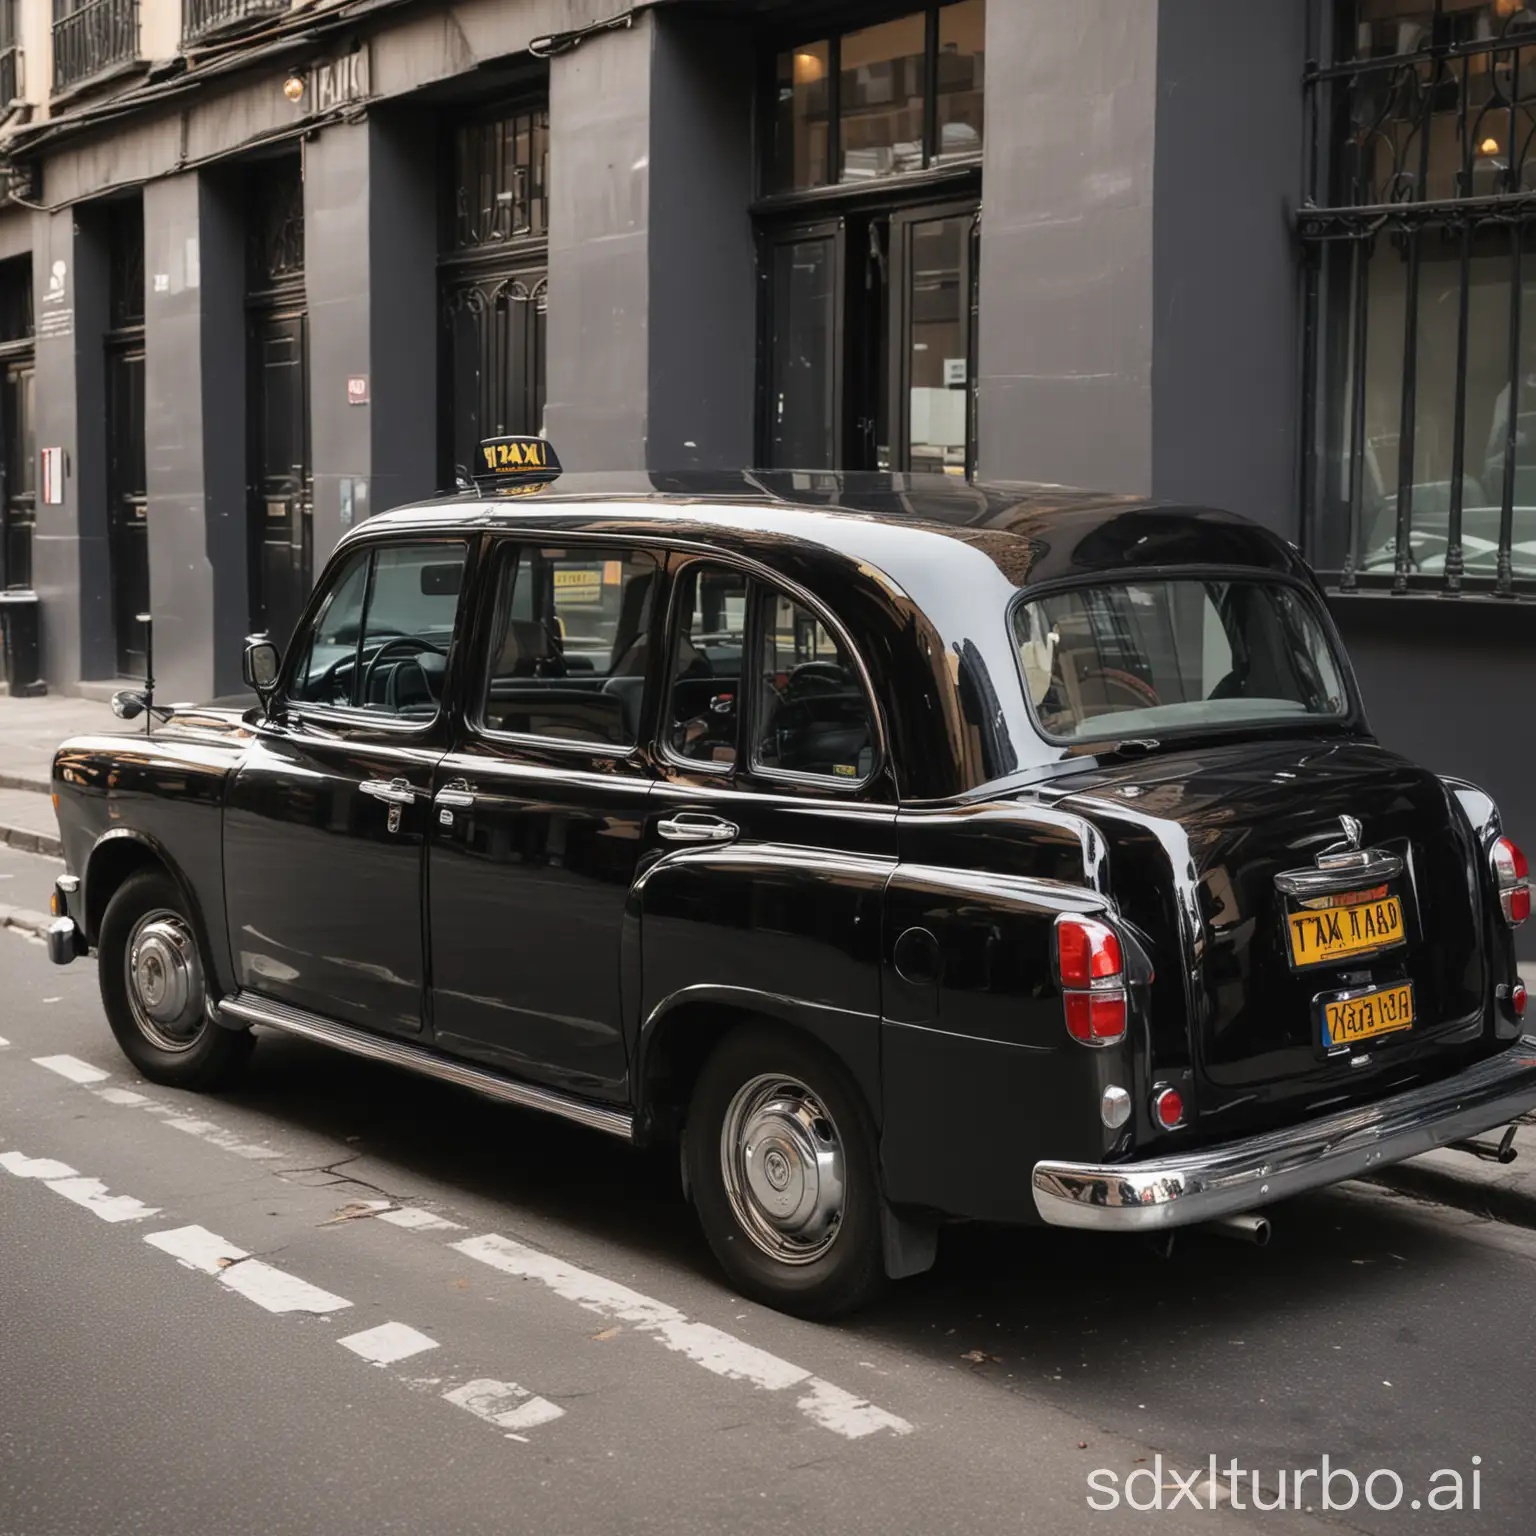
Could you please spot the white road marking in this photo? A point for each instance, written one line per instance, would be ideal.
(715, 1350)
(504, 1404)
(73, 1068)
(121, 1096)
(25, 1167)
(387, 1343)
(416, 1220)
(4, 1043)
(92, 1194)
(257, 1281)
(206, 1130)
(197, 1248)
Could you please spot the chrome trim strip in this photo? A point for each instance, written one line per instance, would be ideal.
(1195, 1186)
(414, 1058)
(1364, 868)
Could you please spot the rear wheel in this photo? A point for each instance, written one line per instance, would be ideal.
(153, 986)
(781, 1164)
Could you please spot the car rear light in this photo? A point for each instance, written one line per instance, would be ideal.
(1511, 874)
(1517, 999)
(1091, 970)
(1168, 1108)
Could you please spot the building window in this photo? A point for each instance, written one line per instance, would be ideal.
(10, 54)
(900, 96)
(868, 245)
(493, 280)
(90, 36)
(1421, 244)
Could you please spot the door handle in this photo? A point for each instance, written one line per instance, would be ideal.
(390, 791)
(697, 827)
(456, 794)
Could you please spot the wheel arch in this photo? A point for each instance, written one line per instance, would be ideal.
(114, 859)
(679, 1033)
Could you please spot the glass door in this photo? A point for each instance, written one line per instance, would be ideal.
(18, 512)
(128, 530)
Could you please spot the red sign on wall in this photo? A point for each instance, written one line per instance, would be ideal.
(357, 389)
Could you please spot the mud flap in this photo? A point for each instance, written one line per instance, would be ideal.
(910, 1246)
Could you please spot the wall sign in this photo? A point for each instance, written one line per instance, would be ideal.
(357, 389)
(53, 477)
(343, 80)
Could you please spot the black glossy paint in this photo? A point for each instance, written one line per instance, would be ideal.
(904, 921)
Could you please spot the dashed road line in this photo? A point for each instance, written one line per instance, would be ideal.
(73, 1068)
(414, 1219)
(87, 1192)
(269, 1287)
(388, 1343)
(5, 1044)
(504, 1404)
(717, 1351)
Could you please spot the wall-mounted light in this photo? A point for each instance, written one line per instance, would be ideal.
(1489, 146)
(809, 67)
(293, 87)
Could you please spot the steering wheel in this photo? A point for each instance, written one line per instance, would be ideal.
(401, 642)
(1132, 692)
(811, 678)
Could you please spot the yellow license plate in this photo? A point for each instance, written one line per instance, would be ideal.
(1372, 1013)
(1335, 933)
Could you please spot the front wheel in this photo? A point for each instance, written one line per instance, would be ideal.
(150, 968)
(781, 1164)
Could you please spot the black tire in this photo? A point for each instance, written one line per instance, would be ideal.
(811, 1280)
(185, 1051)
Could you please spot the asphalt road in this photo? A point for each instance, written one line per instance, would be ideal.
(549, 1347)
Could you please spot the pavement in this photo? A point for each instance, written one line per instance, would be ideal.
(339, 1298)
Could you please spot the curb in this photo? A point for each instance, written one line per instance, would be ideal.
(24, 781)
(34, 923)
(1502, 1201)
(31, 842)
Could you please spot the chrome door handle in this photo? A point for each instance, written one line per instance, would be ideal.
(455, 795)
(697, 827)
(391, 791)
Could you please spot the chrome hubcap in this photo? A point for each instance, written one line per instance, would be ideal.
(783, 1165)
(165, 981)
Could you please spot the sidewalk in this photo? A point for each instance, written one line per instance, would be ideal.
(30, 729)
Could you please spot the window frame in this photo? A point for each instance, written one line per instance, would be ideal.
(760, 583)
(485, 627)
(300, 710)
(1349, 720)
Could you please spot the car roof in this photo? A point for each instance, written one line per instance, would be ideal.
(1032, 533)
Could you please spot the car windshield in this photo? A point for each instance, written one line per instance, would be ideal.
(1141, 658)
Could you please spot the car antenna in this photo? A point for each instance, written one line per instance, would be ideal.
(147, 620)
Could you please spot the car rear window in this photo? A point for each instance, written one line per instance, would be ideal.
(1146, 658)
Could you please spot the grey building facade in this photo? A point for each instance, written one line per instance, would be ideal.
(1268, 254)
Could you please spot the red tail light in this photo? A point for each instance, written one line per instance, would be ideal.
(1168, 1108)
(1091, 970)
(1517, 999)
(1511, 874)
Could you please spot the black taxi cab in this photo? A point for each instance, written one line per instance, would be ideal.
(904, 850)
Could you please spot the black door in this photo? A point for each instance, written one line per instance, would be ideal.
(773, 829)
(19, 511)
(326, 821)
(281, 537)
(128, 531)
(539, 819)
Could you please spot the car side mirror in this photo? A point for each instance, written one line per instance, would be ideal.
(260, 666)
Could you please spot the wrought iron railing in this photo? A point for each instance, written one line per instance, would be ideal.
(90, 36)
(1419, 230)
(203, 18)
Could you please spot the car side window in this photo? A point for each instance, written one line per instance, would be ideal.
(569, 637)
(380, 640)
(708, 640)
(813, 715)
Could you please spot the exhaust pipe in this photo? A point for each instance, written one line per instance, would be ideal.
(1505, 1152)
(1245, 1228)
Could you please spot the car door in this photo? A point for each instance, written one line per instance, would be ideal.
(772, 828)
(325, 823)
(538, 817)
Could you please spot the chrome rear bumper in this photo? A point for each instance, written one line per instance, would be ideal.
(1195, 1186)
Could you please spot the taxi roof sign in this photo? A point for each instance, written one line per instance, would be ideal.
(516, 460)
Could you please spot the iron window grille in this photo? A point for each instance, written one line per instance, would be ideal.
(90, 36)
(500, 181)
(1421, 337)
(275, 229)
(10, 54)
(202, 19)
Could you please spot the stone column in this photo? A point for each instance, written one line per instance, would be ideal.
(370, 251)
(195, 433)
(71, 570)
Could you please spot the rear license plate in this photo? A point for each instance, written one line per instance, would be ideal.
(1379, 1012)
(1335, 933)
